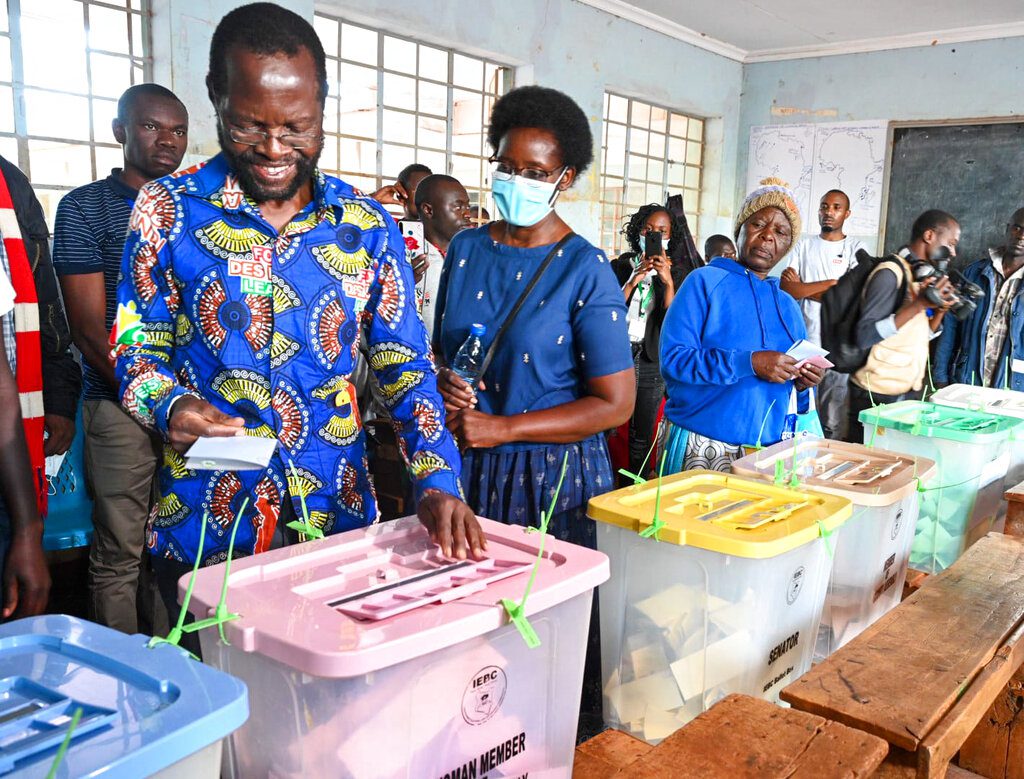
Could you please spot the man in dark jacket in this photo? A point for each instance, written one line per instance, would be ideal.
(62, 378)
(987, 348)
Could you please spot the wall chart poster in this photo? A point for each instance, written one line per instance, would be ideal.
(815, 158)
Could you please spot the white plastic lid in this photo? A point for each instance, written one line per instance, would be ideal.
(867, 476)
(1004, 402)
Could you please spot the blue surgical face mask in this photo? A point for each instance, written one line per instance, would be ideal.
(524, 202)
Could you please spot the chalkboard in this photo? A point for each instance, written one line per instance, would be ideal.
(975, 172)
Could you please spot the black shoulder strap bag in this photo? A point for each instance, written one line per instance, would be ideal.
(493, 348)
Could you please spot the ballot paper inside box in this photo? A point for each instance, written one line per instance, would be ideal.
(682, 627)
(870, 550)
(960, 505)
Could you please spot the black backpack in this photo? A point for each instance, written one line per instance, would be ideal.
(840, 312)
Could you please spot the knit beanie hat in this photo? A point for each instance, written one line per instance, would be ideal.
(772, 192)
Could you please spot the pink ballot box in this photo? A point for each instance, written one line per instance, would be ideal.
(367, 655)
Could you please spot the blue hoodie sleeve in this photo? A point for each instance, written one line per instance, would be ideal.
(684, 356)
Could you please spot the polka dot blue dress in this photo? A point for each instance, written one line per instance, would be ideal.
(572, 328)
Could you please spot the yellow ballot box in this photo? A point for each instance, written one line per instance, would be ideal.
(717, 586)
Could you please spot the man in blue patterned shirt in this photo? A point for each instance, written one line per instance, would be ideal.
(244, 286)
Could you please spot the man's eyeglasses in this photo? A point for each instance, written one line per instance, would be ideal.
(256, 137)
(501, 170)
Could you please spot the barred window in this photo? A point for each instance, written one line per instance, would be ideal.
(63, 64)
(646, 152)
(393, 101)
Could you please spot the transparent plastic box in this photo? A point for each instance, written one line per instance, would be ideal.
(726, 599)
(1001, 402)
(145, 712)
(367, 655)
(872, 548)
(971, 450)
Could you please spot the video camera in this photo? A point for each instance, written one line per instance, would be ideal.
(966, 295)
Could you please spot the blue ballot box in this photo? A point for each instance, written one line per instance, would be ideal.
(144, 712)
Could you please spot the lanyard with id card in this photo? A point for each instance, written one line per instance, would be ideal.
(640, 305)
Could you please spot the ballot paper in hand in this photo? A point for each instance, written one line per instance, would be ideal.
(53, 464)
(803, 351)
(230, 453)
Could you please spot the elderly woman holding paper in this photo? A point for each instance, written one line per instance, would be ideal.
(724, 343)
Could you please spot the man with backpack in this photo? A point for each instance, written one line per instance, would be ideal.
(896, 321)
(816, 264)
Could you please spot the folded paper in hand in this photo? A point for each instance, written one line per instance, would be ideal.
(230, 453)
(53, 464)
(803, 351)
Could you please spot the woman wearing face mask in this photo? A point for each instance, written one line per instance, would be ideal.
(724, 343)
(649, 281)
(562, 373)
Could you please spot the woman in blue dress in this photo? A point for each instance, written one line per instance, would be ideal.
(563, 372)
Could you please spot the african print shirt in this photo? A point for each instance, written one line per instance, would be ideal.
(215, 303)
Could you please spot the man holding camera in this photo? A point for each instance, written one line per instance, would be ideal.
(988, 346)
(899, 316)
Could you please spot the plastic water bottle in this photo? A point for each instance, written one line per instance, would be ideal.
(469, 359)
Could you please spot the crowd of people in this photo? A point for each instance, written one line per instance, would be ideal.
(256, 295)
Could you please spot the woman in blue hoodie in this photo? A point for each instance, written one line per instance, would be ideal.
(724, 343)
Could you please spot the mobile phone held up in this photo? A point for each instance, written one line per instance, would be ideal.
(652, 248)
(412, 234)
(652, 243)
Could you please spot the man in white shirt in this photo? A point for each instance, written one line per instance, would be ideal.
(815, 264)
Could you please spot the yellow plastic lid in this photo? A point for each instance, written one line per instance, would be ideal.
(724, 513)
(868, 477)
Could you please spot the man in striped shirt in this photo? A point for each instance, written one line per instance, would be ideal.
(121, 457)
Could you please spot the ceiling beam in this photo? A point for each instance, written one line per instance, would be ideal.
(668, 27)
(680, 32)
(911, 40)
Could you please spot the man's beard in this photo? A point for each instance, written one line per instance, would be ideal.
(829, 228)
(241, 165)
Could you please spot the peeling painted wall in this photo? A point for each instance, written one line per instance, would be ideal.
(558, 43)
(961, 81)
(582, 51)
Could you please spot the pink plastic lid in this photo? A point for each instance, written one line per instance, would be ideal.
(368, 599)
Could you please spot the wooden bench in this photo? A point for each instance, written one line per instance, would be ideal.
(996, 747)
(926, 674)
(913, 582)
(606, 753)
(1014, 511)
(740, 738)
